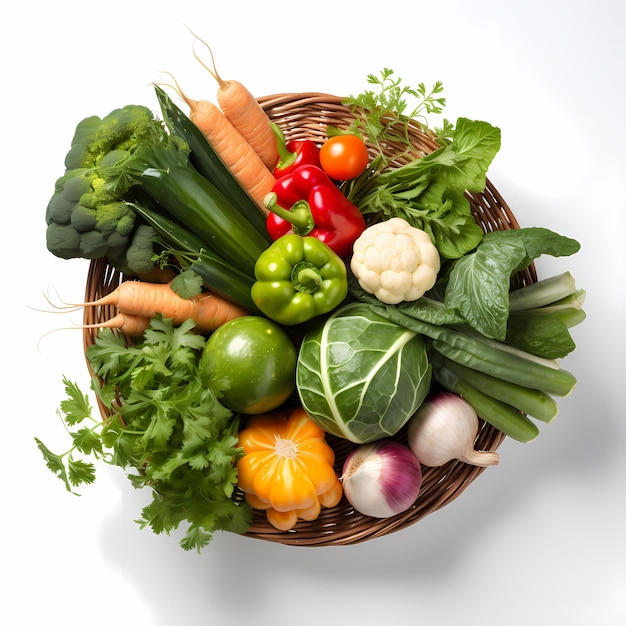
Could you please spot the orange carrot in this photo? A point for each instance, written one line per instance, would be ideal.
(130, 325)
(245, 113)
(236, 153)
(145, 300)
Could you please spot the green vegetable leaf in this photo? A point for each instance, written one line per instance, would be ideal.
(187, 284)
(447, 217)
(195, 538)
(54, 462)
(361, 376)
(537, 241)
(544, 335)
(76, 407)
(167, 430)
(87, 441)
(163, 333)
(430, 191)
(112, 353)
(121, 442)
(427, 309)
(80, 471)
(160, 427)
(463, 163)
(479, 283)
(172, 426)
(383, 114)
(74, 410)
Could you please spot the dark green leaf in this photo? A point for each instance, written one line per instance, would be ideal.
(537, 242)
(479, 283)
(543, 335)
(478, 286)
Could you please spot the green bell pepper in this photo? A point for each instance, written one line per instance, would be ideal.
(297, 279)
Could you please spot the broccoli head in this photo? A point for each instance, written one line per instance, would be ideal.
(90, 213)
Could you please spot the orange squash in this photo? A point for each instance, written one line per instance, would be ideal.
(287, 469)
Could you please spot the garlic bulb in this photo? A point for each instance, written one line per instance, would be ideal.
(382, 478)
(444, 428)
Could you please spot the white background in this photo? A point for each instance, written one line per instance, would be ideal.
(536, 541)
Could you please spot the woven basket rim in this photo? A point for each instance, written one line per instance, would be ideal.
(305, 115)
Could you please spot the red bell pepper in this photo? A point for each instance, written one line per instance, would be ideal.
(293, 154)
(308, 202)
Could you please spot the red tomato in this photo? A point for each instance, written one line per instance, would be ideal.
(344, 157)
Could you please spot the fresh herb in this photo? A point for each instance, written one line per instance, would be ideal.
(75, 410)
(430, 192)
(187, 284)
(385, 116)
(427, 190)
(167, 429)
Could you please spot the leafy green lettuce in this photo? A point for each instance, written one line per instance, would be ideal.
(430, 192)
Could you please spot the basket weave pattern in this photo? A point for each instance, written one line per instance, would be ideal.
(305, 116)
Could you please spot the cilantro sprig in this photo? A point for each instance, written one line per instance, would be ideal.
(384, 115)
(427, 190)
(167, 429)
(74, 410)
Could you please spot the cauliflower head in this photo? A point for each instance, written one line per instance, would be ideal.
(395, 261)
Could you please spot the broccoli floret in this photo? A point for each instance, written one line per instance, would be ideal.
(116, 216)
(68, 191)
(140, 253)
(120, 130)
(89, 219)
(63, 240)
(82, 218)
(137, 257)
(93, 245)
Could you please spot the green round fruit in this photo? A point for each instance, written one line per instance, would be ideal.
(253, 360)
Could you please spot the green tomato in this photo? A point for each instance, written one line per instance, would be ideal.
(253, 360)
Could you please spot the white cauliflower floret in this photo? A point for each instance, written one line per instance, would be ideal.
(395, 261)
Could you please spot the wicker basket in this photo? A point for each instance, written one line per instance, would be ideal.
(305, 116)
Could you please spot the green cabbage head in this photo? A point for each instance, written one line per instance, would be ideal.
(360, 376)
